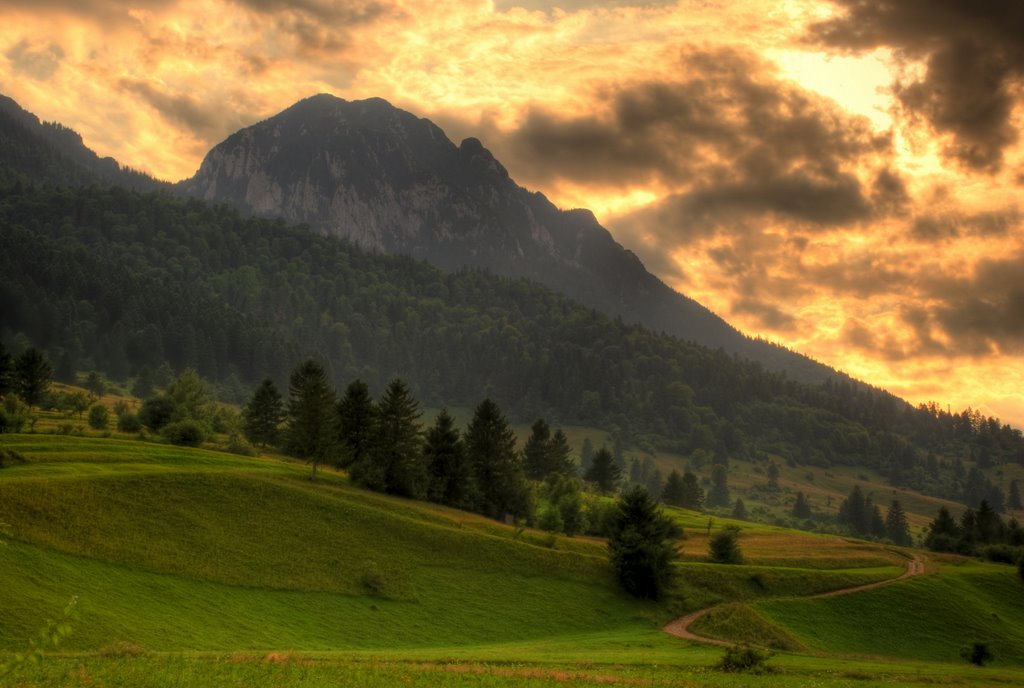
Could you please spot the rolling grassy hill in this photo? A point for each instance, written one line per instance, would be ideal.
(248, 573)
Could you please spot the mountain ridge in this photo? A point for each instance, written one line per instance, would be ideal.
(391, 181)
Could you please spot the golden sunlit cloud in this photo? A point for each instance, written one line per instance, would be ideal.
(837, 176)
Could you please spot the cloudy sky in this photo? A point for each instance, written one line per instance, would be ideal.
(839, 176)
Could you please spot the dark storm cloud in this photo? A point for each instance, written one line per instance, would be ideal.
(974, 54)
(768, 314)
(208, 121)
(978, 315)
(346, 11)
(741, 145)
(984, 313)
(38, 62)
(933, 227)
(726, 110)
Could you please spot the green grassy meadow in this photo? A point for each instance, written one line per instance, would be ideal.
(194, 567)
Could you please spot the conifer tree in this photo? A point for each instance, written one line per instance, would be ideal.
(896, 527)
(943, 532)
(604, 472)
(693, 493)
(33, 376)
(491, 446)
(853, 512)
(560, 455)
(395, 463)
(640, 544)
(263, 415)
(801, 507)
(310, 433)
(673, 492)
(739, 509)
(357, 417)
(536, 451)
(718, 495)
(451, 479)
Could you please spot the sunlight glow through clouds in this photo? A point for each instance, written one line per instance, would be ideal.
(759, 156)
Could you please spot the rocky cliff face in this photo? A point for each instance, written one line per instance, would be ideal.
(393, 182)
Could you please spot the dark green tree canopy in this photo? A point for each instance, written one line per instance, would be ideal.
(718, 495)
(310, 433)
(724, 546)
(263, 416)
(33, 376)
(491, 445)
(451, 479)
(604, 472)
(395, 462)
(673, 492)
(896, 527)
(641, 546)
(357, 417)
(801, 507)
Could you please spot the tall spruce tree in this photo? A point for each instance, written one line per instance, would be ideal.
(311, 433)
(673, 492)
(640, 544)
(718, 495)
(560, 455)
(943, 532)
(693, 493)
(357, 418)
(896, 527)
(854, 512)
(451, 479)
(536, 451)
(604, 471)
(33, 376)
(263, 415)
(491, 446)
(395, 462)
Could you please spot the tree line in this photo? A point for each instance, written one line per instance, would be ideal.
(384, 446)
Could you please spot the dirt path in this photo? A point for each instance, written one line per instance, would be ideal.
(680, 628)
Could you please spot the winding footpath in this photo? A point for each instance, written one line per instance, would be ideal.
(680, 628)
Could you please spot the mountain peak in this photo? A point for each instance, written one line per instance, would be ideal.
(375, 174)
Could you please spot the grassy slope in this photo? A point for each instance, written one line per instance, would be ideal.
(930, 617)
(174, 549)
(233, 545)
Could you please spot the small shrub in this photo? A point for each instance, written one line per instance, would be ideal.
(746, 659)
(724, 547)
(128, 422)
(9, 457)
(977, 654)
(99, 417)
(184, 433)
(1001, 554)
(238, 445)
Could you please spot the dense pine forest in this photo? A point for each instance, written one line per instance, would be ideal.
(127, 283)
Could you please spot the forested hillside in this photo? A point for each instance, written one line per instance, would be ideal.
(33, 152)
(121, 281)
